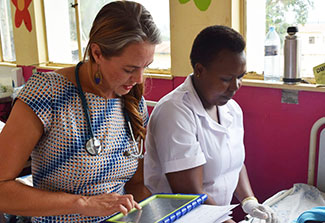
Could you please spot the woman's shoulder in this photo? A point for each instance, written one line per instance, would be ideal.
(67, 73)
(47, 84)
(46, 76)
(234, 107)
(172, 105)
(173, 98)
(52, 78)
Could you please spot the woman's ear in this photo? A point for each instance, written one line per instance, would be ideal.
(96, 52)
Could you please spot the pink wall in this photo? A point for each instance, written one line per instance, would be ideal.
(277, 137)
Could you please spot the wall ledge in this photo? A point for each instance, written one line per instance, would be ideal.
(8, 64)
(158, 76)
(281, 85)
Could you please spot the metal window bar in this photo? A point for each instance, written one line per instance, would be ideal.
(1, 56)
(77, 16)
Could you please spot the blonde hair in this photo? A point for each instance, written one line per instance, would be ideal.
(116, 25)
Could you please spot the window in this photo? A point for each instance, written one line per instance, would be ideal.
(160, 14)
(308, 15)
(7, 47)
(61, 32)
(64, 45)
(88, 11)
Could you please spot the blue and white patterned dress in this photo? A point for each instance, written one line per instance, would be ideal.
(59, 160)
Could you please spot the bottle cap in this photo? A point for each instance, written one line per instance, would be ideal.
(292, 30)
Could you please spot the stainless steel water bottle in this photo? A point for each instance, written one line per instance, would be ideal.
(291, 57)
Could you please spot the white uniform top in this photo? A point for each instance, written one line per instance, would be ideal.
(181, 135)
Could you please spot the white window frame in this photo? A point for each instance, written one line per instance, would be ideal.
(9, 18)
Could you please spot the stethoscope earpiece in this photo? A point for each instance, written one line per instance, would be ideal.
(137, 154)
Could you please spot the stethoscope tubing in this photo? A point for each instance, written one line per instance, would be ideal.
(95, 149)
(83, 100)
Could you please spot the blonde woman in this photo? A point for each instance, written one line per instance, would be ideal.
(83, 126)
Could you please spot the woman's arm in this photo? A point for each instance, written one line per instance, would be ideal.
(243, 189)
(18, 138)
(189, 182)
(135, 185)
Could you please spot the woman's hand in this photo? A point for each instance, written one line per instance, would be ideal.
(107, 204)
(257, 210)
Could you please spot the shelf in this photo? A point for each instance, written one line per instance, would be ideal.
(281, 85)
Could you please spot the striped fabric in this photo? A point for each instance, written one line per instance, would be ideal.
(59, 160)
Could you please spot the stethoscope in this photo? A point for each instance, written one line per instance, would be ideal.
(93, 145)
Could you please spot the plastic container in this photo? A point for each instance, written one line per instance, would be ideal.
(271, 56)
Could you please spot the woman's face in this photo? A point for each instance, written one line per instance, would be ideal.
(121, 73)
(218, 82)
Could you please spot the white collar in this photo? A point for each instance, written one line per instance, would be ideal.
(226, 117)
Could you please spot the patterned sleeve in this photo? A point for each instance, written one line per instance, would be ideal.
(144, 111)
(37, 94)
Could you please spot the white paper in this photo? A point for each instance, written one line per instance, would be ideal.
(2, 124)
(207, 214)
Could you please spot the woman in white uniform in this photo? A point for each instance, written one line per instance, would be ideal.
(194, 140)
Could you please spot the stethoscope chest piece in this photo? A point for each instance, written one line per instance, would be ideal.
(93, 146)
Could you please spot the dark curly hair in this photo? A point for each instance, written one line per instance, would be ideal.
(211, 40)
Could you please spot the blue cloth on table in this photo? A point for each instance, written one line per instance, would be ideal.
(315, 214)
